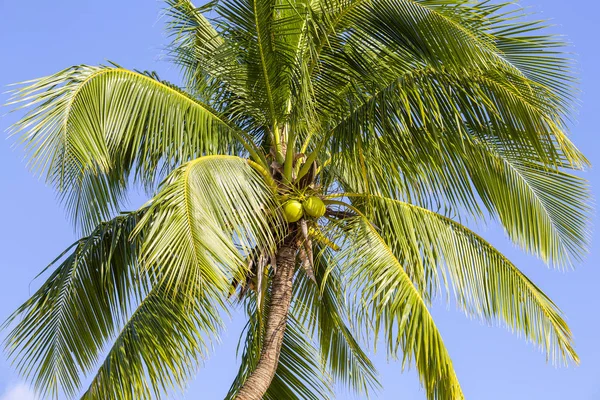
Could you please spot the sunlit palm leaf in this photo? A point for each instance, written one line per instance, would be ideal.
(393, 304)
(485, 282)
(91, 127)
(159, 348)
(391, 82)
(251, 23)
(544, 210)
(209, 214)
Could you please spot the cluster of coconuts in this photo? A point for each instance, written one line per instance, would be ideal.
(312, 206)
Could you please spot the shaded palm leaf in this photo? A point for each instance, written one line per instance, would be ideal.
(325, 310)
(65, 324)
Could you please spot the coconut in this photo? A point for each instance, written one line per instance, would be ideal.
(314, 207)
(292, 210)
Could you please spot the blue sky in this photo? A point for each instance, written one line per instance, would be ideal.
(39, 37)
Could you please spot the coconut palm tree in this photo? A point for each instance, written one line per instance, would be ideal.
(318, 170)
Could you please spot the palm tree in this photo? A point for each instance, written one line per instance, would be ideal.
(316, 171)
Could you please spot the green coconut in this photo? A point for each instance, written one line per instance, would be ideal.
(314, 207)
(292, 210)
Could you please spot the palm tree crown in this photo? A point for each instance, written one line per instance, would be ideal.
(314, 169)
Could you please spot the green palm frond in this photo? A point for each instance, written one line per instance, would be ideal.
(91, 127)
(197, 47)
(65, 324)
(476, 34)
(391, 302)
(213, 67)
(444, 103)
(208, 215)
(528, 47)
(485, 283)
(159, 348)
(383, 78)
(248, 59)
(544, 210)
(251, 23)
(415, 167)
(299, 373)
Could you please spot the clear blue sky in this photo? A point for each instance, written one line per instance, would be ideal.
(40, 37)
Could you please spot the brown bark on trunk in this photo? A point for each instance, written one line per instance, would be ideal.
(281, 297)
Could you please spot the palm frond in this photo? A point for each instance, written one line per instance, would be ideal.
(445, 103)
(391, 302)
(209, 214)
(160, 347)
(389, 74)
(474, 33)
(89, 128)
(251, 22)
(71, 316)
(199, 50)
(485, 283)
(543, 210)
(325, 310)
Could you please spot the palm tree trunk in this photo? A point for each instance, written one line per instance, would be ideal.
(281, 297)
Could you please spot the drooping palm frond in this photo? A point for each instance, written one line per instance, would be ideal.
(458, 34)
(485, 283)
(181, 289)
(209, 214)
(412, 125)
(91, 127)
(543, 210)
(159, 348)
(392, 303)
(65, 324)
(527, 46)
(381, 78)
(442, 103)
